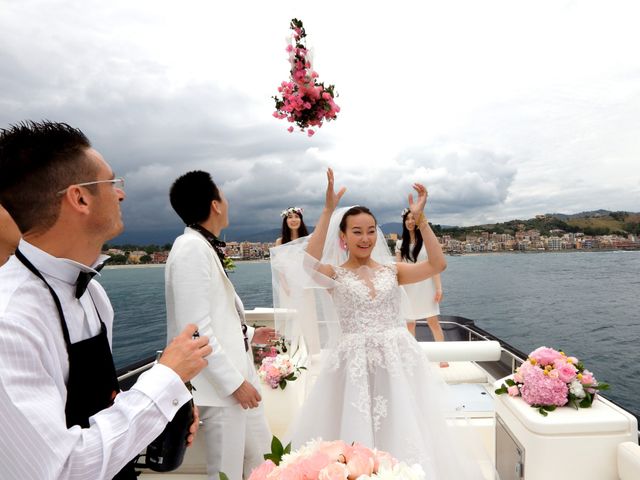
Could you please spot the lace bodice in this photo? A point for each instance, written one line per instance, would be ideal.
(374, 335)
(367, 300)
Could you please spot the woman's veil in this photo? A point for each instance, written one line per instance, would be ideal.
(304, 312)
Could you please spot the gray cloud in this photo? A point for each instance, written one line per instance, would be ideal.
(517, 152)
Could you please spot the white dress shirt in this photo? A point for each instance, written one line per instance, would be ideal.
(35, 442)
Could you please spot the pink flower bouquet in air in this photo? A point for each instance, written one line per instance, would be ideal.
(318, 460)
(302, 99)
(549, 379)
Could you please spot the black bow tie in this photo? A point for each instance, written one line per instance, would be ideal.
(217, 244)
(84, 278)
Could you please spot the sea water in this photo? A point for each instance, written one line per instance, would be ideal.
(586, 303)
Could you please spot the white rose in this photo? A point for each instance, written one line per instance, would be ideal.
(575, 387)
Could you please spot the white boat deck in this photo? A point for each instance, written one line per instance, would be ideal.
(600, 443)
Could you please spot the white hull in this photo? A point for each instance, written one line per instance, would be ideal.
(600, 443)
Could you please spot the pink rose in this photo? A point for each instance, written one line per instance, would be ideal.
(587, 378)
(359, 464)
(334, 471)
(383, 460)
(310, 133)
(517, 377)
(262, 471)
(566, 372)
(545, 355)
(311, 466)
(290, 129)
(290, 472)
(513, 391)
(336, 450)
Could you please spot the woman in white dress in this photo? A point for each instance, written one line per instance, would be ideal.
(425, 296)
(376, 387)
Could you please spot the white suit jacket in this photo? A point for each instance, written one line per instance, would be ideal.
(198, 291)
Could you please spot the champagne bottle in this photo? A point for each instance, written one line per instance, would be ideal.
(166, 452)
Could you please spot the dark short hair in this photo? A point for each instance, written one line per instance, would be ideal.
(191, 196)
(37, 160)
(356, 210)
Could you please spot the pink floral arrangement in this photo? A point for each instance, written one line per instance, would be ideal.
(302, 99)
(549, 379)
(318, 460)
(261, 351)
(277, 370)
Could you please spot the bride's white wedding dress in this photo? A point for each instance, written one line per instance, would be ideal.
(377, 387)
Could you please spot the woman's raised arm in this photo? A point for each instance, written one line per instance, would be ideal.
(411, 273)
(316, 241)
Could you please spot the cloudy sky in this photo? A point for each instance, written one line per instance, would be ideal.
(504, 109)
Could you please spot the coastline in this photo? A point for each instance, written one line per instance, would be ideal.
(451, 254)
(158, 265)
(134, 265)
(535, 252)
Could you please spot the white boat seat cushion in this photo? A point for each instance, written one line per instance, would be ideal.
(628, 461)
(461, 372)
(480, 351)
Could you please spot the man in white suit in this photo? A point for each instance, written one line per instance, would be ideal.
(199, 291)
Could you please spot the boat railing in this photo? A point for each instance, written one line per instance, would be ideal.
(513, 357)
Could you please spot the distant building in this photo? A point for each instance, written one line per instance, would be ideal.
(159, 257)
(134, 257)
(554, 243)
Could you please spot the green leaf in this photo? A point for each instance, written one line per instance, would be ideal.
(542, 412)
(223, 476)
(276, 446)
(287, 449)
(510, 382)
(283, 384)
(501, 390)
(586, 402)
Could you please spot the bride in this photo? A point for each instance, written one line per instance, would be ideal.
(376, 386)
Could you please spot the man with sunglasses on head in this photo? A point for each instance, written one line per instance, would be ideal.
(61, 411)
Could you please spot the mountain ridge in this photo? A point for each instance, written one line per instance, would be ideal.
(592, 222)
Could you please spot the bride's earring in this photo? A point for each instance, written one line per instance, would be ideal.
(343, 244)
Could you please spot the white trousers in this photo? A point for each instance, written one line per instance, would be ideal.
(235, 439)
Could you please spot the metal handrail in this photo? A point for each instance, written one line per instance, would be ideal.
(514, 358)
(136, 371)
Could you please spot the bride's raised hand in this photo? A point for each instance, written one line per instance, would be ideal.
(332, 198)
(418, 206)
